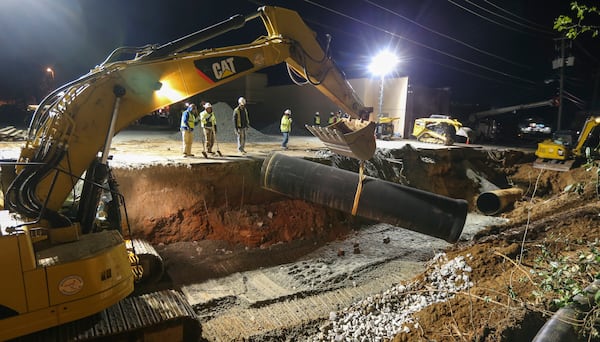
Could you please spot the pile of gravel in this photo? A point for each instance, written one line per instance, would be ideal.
(384, 315)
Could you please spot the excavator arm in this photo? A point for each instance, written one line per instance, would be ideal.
(74, 126)
(589, 136)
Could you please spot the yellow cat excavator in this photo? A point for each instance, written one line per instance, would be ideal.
(562, 151)
(62, 261)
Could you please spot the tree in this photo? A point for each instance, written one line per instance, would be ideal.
(579, 22)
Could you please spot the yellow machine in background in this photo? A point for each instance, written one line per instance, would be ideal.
(561, 152)
(439, 129)
(59, 262)
(385, 128)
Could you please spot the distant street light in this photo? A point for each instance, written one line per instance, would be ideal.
(51, 72)
(381, 65)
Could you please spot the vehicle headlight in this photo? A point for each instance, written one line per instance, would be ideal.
(561, 152)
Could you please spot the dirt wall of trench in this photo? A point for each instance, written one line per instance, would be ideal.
(167, 204)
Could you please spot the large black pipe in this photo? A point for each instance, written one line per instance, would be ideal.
(382, 201)
(561, 326)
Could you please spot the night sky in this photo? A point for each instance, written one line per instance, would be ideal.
(486, 51)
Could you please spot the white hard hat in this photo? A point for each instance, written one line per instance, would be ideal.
(287, 111)
(207, 104)
(242, 101)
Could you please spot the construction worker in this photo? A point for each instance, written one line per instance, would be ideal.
(331, 119)
(286, 127)
(241, 122)
(208, 121)
(317, 119)
(188, 121)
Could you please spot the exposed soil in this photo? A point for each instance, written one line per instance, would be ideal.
(507, 260)
(263, 267)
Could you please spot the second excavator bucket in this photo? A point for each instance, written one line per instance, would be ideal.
(348, 137)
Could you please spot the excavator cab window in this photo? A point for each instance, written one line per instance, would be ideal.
(566, 138)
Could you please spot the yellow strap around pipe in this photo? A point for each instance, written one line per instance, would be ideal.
(361, 178)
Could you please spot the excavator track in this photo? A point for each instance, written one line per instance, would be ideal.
(554, 165)
(144, 255)
(158, 316)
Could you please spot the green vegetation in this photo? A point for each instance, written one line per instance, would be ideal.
(579, 22)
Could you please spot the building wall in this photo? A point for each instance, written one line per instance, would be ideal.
(394, 99)
(422, 102)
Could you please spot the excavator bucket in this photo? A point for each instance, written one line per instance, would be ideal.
(553, 165)
(348, 137)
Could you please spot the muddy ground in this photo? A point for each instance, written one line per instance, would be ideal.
(259, 266)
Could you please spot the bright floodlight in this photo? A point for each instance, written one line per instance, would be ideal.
(383, 63)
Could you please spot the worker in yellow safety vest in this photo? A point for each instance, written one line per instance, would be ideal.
(317, 119)
(209, 123)
(332, 118)
(286, 127)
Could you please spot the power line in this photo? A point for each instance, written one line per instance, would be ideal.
(474, 74)
(510, 20)
(516, 16)
(445, 36)
(490, 20)
(419, 44)
(586, 52)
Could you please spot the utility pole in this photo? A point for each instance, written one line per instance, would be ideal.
(561, 62)
(380, 114)
(561, 83)
(595, 90)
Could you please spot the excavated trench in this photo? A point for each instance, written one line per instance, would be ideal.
(258, 265)
(199, 216)
(225, 201)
